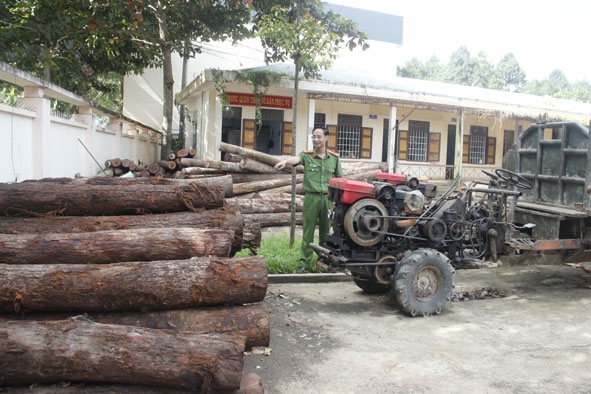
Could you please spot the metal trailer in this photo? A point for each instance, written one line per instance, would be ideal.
(555, 159)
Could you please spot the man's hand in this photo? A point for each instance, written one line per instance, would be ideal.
(280, 165)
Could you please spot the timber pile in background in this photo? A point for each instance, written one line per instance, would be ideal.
(127, 285)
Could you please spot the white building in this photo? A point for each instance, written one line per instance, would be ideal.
(420, 128)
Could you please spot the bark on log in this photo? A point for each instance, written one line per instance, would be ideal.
(272, 219)
(78, 350)
(256, 155)
(220, 165)
(115, 246)
(202, 171)
(228, 156)
(251, 165)
(75, 198)
(265, 205)
(244, 177)
(139, 286)
(249, 384)
(249, 187)
(249, 321)
(228, 217)
(252, 235)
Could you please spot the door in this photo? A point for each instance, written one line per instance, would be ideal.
(450, 159)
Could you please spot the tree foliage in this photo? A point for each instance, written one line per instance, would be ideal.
(464, 69)
(303, 33)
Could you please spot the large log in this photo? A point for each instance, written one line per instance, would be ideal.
(139, 286)
(265, 205)
(249, 384)
(227, 217)
(249, 321)
(78, 350)
(219, 165)
(249, 187)
(248, 177)
(272, 219)
(224, 181)
(114, 246)
(69, 198)
(256, 155)
(252, 235)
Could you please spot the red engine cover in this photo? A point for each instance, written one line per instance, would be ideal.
(393, 179)
(352, 190)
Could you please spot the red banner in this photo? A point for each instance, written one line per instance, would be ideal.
(266, 101)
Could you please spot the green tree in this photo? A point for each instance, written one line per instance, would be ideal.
(303, 33)
(81, 45)
(510, 73)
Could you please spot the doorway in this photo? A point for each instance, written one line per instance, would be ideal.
(450, 160)
(268, 138)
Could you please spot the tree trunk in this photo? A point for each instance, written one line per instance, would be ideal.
(272, 219)
(249, 187)
(265, 205)
(114, 246)
(249, 384)
(220, 165)
(158, 285)
(202, 171)
(252, 235)
(252, 165)
(33, 197)
(253, 154)
(248, 321)
(244, 177)
(228, 217)
(78, 350)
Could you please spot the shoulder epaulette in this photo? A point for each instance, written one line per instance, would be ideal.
(333, 153)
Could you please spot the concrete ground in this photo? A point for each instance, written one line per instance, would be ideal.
(330, 337)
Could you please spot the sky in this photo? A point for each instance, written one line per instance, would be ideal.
(543, 35)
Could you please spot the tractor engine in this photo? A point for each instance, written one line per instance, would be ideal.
(365, 212)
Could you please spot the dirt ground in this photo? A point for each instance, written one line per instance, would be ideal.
(330, 337)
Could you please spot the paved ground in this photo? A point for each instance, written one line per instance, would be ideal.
(332, 338)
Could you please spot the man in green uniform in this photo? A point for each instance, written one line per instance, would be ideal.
(320, 166)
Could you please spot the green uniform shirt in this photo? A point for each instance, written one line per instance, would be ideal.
(318, 171)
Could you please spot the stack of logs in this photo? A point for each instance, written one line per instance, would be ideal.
(128, 286)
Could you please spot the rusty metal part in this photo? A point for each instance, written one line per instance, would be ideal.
(366, 222)
(383, 272)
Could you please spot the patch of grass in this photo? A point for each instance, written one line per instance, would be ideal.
(279, 256)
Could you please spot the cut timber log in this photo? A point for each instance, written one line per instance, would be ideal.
(249, 187)
(272, 219)
(256, 155)
(139, 286)
(114, 246)
(228, 217)
(252, 235)
(243, 178)
(220, 165)
(251, 165)
(265, 205)
(248, 321)
(249, 384)
(78, 350)
(75, 198)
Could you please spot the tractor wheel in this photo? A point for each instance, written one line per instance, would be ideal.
(423, 283)
(369, 285)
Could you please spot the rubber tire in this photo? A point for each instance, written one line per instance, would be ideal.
(370, 285)
(402, 285)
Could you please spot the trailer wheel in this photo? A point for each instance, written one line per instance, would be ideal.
(423, 283)
(369, 285)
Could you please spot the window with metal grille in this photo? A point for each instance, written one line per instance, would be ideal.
(478, 139)
(508, 140)
(418, 140)
(349, 135)
(319, 120)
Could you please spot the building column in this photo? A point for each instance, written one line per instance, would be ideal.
(85, 115)
(311, 113)
(392, 136)
(459, 144)
(34, 97)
